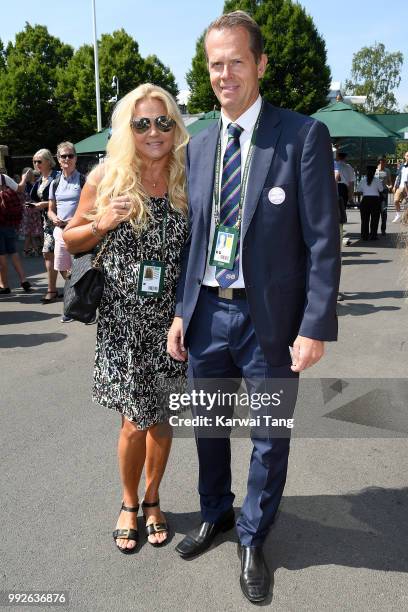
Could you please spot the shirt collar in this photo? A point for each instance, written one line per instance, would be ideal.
(247, 120)
(72, 177)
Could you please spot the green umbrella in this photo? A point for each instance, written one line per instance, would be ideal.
(402, 132)
(94, 144)
(203, 122)
(344, 122)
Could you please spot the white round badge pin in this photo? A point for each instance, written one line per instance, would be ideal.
(276, 195)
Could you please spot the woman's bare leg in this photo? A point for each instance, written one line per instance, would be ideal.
(51, 274)
(16, 261)
(131, 456)
(3, 272)
(158, 445)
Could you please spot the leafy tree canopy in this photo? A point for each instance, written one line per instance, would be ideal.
(297, 75)
(28, 116)
(157, 73)
(47, 91)
(375, 73)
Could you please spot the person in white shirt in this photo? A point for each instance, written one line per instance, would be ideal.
(370, 207)
(400, 188)
(345, 177)
(384, 174)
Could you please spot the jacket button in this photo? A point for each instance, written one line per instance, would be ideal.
(198, 281)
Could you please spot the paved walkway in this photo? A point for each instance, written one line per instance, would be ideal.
(340, 541)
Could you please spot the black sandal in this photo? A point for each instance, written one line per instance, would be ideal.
(55, 295)
(127, 534)
(154, 528)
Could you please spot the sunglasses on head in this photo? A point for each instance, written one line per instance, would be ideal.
(142, 125)
(67, 156)
(37, 161)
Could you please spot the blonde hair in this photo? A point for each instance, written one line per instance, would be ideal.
(66, 145)
(45, 154)
(122, 166)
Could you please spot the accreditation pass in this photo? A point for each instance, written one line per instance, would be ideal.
(151, 278)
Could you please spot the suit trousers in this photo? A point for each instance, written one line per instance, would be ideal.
(223, 352)
(370, 211)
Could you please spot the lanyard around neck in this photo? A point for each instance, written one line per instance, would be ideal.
(163, 236)
(244, 181)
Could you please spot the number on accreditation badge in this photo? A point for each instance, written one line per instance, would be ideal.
(224, 247)
(151, 278)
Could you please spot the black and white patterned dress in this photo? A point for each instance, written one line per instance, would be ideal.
(131, 361)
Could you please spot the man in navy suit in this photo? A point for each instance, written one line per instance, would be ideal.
(260, 184)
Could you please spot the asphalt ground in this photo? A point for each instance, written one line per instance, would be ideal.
(340, 542)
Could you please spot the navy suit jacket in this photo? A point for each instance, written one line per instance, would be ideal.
(290, 251)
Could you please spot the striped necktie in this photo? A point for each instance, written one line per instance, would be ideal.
(230, 196)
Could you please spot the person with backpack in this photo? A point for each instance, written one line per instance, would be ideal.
(11, 213)
(64, 195)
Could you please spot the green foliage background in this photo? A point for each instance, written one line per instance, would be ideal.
(47, 90)
(375, 73)
(297, 76)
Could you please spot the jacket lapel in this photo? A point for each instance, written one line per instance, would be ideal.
(269, 130)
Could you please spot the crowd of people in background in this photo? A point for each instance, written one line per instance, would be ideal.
(374, 188)
(49, 197)
(38, 207)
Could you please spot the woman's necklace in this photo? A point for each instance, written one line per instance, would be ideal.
(151, 182)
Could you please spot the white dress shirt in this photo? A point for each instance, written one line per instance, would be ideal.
(247, 122)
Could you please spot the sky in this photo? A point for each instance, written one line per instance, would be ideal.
(170, 29)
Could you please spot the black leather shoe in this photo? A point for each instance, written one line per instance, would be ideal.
(201, 538)
(255, 579)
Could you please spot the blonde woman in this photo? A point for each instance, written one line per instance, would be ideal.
(44, 163)
(134, 206)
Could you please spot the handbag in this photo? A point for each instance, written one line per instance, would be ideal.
(84, 287)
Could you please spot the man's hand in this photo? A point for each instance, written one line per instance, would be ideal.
(306, 352)
(175, 340)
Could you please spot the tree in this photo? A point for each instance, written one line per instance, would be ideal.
(47, 92)
(2, 56)
(75, 94)
(28, 113)
(400, 149)
(297, 75)
(157, 73)
(118, 56)
(75, 91)
(202, 97)
(375, 73)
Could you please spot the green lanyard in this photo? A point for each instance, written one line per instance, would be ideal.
(244, 180)
(163, 233)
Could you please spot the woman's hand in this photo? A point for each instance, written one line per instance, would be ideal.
(58, 223)
(117, 212)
